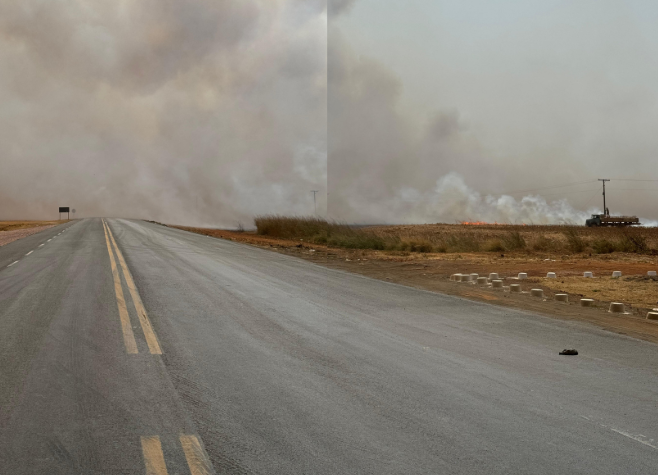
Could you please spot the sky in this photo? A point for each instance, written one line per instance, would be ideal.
(208, 113)
(527, 94)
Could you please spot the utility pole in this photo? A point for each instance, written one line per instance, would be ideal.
(315, 206)
(605, 210)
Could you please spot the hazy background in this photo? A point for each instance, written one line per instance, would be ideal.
(201, 112)
(439, 108)
(208, 112)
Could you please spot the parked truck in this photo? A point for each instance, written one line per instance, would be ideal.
(607, 220)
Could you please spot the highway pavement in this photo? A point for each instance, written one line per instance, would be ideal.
(127, 347)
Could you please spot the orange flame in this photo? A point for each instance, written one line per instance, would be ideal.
(477, 223)
(483, 223)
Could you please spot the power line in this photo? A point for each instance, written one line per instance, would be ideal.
(569, 192)
(569, 184)
(543, 188)
(632, 189)
(596, 192)
(631, 179)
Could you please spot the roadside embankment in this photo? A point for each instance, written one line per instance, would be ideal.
(431, 271)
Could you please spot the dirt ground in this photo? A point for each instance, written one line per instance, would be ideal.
(431, 271)
(10, 236)
(13, 225)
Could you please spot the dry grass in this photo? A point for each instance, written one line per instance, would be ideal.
(320, 231)
(13, 225)
(528, 239)
(446, 238)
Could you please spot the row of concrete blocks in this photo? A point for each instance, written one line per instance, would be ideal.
(474, 278)
(617, 273)
(522, 275)
(553, 275)
(615, 307)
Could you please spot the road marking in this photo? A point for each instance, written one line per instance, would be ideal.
(149, 333)
(153, 456)
(29, 253)
(15, 262)
(128, 336)
(49, 240)
(196, 457)
(642, 439)
(41, 245)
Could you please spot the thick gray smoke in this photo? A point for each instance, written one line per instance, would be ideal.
(338, 7)
(198, 112)
(389, 163)
(383, 166)
(207, 113)
(452, 200)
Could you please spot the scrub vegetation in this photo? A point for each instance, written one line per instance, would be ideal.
(460, 238)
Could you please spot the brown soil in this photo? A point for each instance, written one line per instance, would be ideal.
(431, 271)
(13, 225)
(10, 236)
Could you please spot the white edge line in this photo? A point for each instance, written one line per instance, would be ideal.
(41, 245)
(29, 253)
(638, 438)
(12, 263)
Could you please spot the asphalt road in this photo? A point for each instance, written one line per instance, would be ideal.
(183, 354)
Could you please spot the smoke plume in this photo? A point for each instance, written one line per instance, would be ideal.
(208, 113)
(197, 112)
(391, 163)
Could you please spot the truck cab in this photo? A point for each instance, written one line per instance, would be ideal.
(595, 220)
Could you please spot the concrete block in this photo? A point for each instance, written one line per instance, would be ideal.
(588, 275)
(586, 302)
(515, 288)
(474, 277)
(616, 307)
(652, 316)
(651, 273)
(482, 281)
(562, 297)
(455, 277)
(494, 276)
(497, 284)
(616, 273)
(522, 275)
(466, 278)
(537, 293)
(551, 275)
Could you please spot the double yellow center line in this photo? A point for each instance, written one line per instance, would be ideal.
(126, 327)
(154, 460)
(197, 460)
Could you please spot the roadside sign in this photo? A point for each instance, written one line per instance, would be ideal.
(64, 209)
